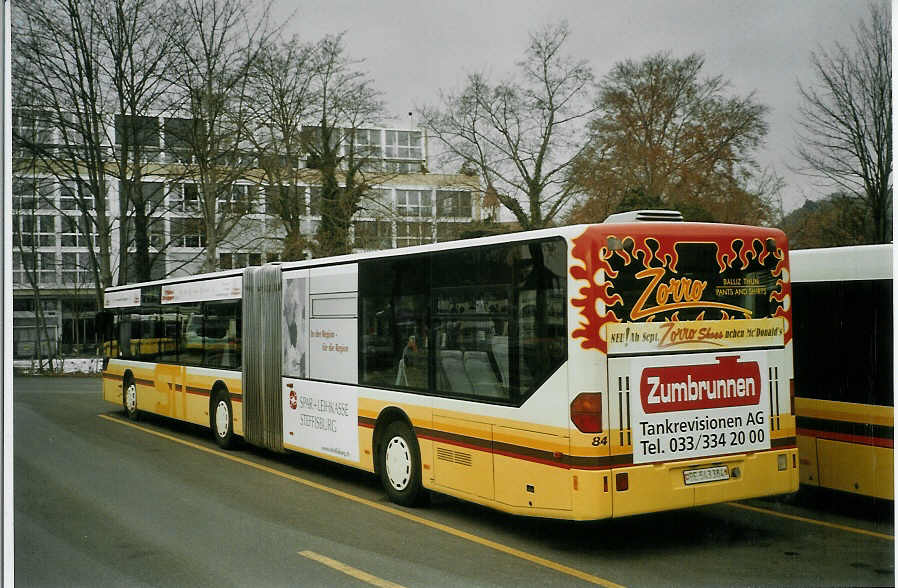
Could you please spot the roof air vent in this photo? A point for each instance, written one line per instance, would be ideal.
(646, 216)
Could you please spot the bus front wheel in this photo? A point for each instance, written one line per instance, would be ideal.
(222, 419)
(129, 398)
(400, 465)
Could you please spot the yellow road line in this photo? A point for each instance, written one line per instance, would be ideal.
(814, 521)
(349, 570)
(384, 508)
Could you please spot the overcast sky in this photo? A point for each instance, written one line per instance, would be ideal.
(413, 49)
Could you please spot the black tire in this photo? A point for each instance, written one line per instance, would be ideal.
(129, 397)
(399, 459)
(221, 418)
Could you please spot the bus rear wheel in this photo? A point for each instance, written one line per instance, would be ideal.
(129, 398)
(222, 419)
(400, 465)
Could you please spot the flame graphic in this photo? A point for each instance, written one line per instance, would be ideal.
(591, 248)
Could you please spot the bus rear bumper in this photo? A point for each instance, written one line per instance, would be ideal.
(663, 486)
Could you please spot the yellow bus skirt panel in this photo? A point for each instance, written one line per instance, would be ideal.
(852, 467)
(847, 446)
(112, 385)
(808, 472)
(657, 487)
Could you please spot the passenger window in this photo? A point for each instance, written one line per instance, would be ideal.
(395, 322)
(170, 334)
(222, 334)
(129, 334)
(190, 346)
(499, 320)
(473, 303)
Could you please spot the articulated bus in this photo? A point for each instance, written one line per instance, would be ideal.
(844, 368)
(581, 372)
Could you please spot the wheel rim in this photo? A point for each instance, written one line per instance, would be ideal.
(398, 463)
(131, 397)
(222, 419)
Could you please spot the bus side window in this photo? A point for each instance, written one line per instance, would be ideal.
(169, 334)
(106, 322)
(221, 337)
(394, 322)
(129, 334)
(190, 347)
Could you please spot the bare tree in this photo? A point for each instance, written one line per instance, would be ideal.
(521, 135)
(88, 72)
(282, 102)
(346, 102)
(61, 102)
(668, 137)
(845, 129)
(219, 45)
(139, 43)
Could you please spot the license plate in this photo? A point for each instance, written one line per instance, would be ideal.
(706, 475)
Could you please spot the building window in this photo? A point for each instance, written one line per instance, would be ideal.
(367, 142)
(238, 260)
(178, 136)
(185, 198)
(238, 200)
(403, 144)
(33, 126)
(373, 235)
(21, 262)
(450, 231)
(77, 231)
(47, 269)
(188, 232)
(377, 203)
(140, 130)
(414, 203)
(76, 268)
(41, 266)
(155, 228)
(69, 199)
(33, 194)
(413, 233)
(453, 204)
(30, 230)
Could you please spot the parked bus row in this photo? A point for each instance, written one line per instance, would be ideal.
(844, 369)
(580, 372)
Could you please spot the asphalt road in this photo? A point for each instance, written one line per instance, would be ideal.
(100, 502)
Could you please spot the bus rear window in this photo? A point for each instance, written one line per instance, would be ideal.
(696, 288)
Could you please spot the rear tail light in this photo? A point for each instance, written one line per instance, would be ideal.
(586, 412)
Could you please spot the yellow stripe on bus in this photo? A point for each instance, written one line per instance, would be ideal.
(845, 411)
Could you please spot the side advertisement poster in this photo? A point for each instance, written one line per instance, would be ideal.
(321, 417)
(698, 405)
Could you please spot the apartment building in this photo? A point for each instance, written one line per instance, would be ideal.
(51, 250)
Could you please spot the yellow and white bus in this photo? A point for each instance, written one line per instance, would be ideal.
(580, 372)
(844, 370)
